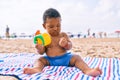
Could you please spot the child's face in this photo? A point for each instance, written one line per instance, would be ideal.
(53, 26)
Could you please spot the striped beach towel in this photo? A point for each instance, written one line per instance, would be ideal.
(13, 64)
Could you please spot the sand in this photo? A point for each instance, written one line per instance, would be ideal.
(85, 47)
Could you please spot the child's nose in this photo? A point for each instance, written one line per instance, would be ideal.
(55, 28)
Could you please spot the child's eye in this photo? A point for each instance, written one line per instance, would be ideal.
(50, 26)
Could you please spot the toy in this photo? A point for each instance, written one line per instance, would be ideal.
(42, 38)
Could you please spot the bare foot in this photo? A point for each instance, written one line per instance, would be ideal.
(94, 72)
(31, 70)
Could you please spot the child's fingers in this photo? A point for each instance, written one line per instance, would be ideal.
(36, 45)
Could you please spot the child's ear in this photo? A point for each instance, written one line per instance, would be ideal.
(44, 25)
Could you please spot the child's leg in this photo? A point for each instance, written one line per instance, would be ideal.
(39, 65)
(79, 63)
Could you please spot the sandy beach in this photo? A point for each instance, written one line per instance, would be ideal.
(85, 47)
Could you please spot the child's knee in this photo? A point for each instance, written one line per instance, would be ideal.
(77, 57)
(43, 61)
(74, 59)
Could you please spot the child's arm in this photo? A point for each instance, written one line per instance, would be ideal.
(65, 41)
(40, 49)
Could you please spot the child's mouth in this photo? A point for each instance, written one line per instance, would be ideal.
(55, 33)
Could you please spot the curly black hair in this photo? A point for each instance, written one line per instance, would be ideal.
(50, 13)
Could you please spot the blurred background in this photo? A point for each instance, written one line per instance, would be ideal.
(80, 18)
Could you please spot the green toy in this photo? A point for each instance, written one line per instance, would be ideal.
(43, 39)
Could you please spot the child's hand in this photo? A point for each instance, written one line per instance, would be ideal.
(40, 48)
(63, 42)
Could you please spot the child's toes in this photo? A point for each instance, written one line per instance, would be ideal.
(98, 69)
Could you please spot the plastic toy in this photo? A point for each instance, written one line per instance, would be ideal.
(42, 38)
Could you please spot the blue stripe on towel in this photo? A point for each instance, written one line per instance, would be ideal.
(1, 60)
(118, 67)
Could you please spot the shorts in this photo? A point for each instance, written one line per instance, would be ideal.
(62, 60)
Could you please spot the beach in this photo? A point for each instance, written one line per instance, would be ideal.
(103, 48)
(85, 47)
(97, 47)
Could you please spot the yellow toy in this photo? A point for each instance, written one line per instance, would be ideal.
(43, 39)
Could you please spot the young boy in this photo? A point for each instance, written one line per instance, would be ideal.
(56, 52)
